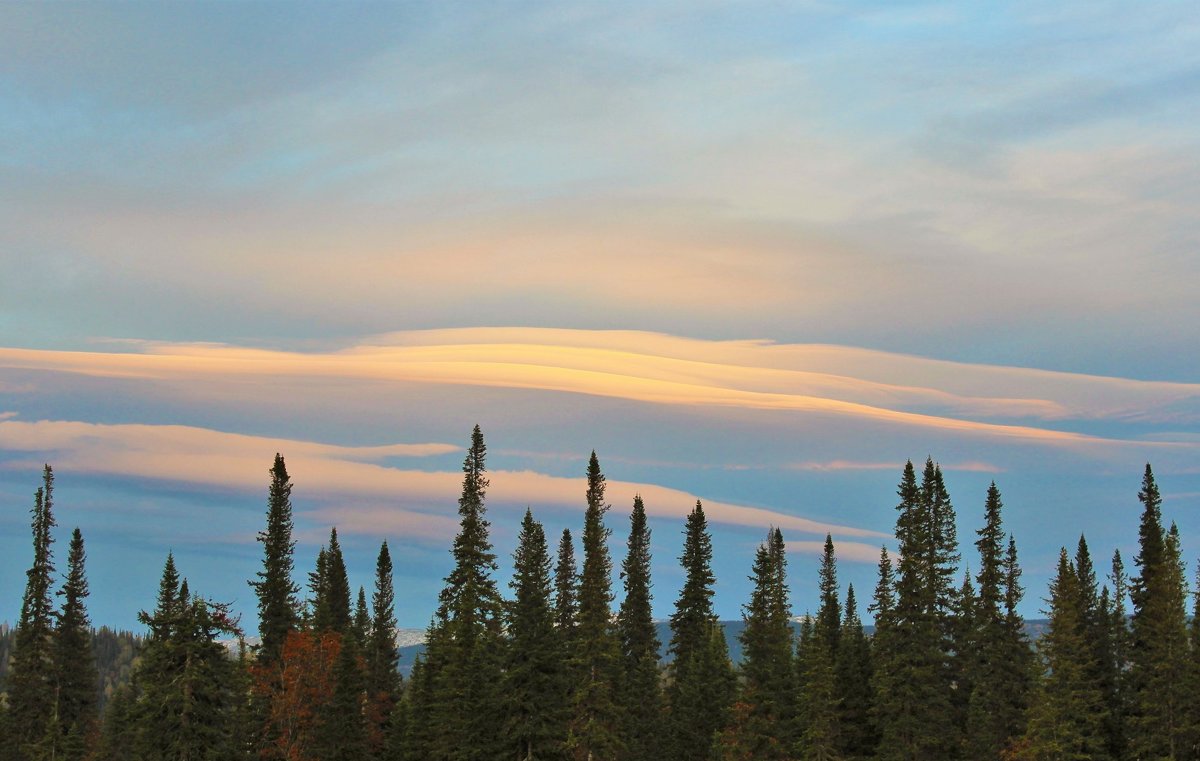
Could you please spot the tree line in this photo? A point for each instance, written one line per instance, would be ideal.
(558, 669)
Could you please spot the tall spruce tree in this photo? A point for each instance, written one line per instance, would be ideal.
(335, 605)
(74, 663)
(1067, 716)
(767, 689)
(640, 693)
(817, 715)
(382, 657)
(464, 651)
(566, 617)
(536, 720)
(701, 686)
(31, 678)
(997, 701)
(341, 732)
(278, 610)
(829, 616)
(1158, 648)
(595, 722)
(360, 624)
(853, 678)
(914, 705)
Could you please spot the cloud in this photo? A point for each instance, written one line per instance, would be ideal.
(855, 552)
(892, 389)
(414, 501)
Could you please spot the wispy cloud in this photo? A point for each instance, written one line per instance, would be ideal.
(417, 501)
(966, 399)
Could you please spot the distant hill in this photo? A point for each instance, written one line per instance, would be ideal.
(409, 652)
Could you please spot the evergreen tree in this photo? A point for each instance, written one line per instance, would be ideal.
(31, 688)
(566, 579)
(535, 726)
(767, 688)
(914, 706)
(464, 651)
(360, 625)
(383, 676)
(341, 729)
(817, 724)
(594, 733)
(1118, 697)
(997, 701)
(853, 686)
(335, 605)
(317, 617)
(700, 692)
(278, 611)
(1158, 652)
(829, 615)
(1067, 716)
(74, 665)
(639, 684)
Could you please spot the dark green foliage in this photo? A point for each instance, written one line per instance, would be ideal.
(913, 685)
(817, 715)
(853, 679)
(382, 657)
(360, 625)
(341, 726)
(74, 666)
(1068, 713)
(702, 684)
(829, 615)
(185, 682)
(536, 719)
(640, 692)
(464, 651)
(594, 730)
(31, 676)
(998, 666)
(333, 604)
(767, 690)
(1158, 654)
(278, 610)
(566, 592)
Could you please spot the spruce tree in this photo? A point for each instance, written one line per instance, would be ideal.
(360, 624)
(640, 692)
(914, 706)
(278, 610)
(382, 657)
(341, 733)
(999, 668)
(74, 665)
(1158, 649)
(853, 679)
(700, 692)
(1067, 716)
(817, 725)
(595, 723)
(566, 615)
(31, 678)
(767, 693)
(1119, 636)
(337, 588)
(464, 651)
(536, 720)
(829, 615)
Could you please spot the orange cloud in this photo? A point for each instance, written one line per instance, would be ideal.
(659, 369)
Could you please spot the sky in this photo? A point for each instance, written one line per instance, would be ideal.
(756, 254)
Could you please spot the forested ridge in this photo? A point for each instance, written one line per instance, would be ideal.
(565, 663)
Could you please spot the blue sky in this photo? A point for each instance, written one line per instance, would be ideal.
(757, 254)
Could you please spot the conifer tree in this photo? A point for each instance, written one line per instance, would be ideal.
(336, 603)
(278, 610)
(1119, 698)
(341, 729)
(817, 725)
(464, 650)
(768, 693)
(74, 664)
(566, 580)
(360, 625)
(1158, 650)
(382, 657)
(997, 700)
(1067, 716)
(700, 692)
(829, 615)
(640, 693)
(595, 723)
(914, 706)
(31, 676)
(853, 679)
(535, 724)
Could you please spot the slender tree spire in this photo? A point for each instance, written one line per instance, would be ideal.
(74, 664)
(641, 726)
(31, 679)
(278, 610)
(595, 724)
